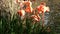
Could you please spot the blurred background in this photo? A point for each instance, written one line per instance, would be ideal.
(10, 22)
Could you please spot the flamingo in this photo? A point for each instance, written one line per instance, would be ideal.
(28, 7)
(42, 9)
(21, 13)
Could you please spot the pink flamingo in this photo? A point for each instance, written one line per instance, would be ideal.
(42, 9)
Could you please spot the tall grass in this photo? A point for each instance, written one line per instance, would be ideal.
(18, 26)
